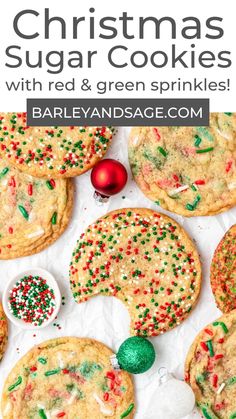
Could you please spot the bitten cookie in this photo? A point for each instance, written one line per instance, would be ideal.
(34, 212)
(52, 151)
(146, 260)
(70, 378)
(3, 332)
(189, 171)
(211, 368)
(223, 272)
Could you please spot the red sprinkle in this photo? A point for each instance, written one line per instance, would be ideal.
(52, 182)
(12, 182)
(220, 406)
(204, 346)
(219, 356)
(228, 166)
(30, 189)
(200, 182)
(176, 178)
(215, 380)
(106, 396)
(157, 134)
(110, 375)
(209, 332)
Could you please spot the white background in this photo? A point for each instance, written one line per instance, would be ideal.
(220, 101)
(105, 318)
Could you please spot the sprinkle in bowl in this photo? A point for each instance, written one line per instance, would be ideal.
(32, 299)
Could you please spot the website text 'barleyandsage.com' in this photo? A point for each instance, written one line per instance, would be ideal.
(117, 112)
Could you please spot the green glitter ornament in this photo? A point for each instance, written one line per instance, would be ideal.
(136, 355)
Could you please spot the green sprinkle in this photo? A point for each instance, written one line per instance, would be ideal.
(229, 114)
(4, 172)
(88, 369)
(196, 200)
(200, 378)
(198, 141)
(190, 207)
(193, 187)
(52, 372)
(49, 185)
(16, 384)
(204, 150)
(42, 414)
(54, 218)
(210, 348)
(128, 411)
(233, 416)
(162, 151)
(206, 414)
(223, 325)
(23, 212)
(231, 381)
(42, 361)
(204, 131)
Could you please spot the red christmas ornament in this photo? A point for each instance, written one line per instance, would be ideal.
(109, 177)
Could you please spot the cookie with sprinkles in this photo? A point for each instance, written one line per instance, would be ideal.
(34, 212)
(211, 368)
(187, 170)
(67, 378)
(223, 272)
(3, 332)
(143, 258)
(51, 151)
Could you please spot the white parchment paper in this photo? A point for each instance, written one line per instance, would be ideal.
(106, 318)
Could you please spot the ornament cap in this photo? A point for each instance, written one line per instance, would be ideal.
(114, 362)
(100, 199)
(164, 375)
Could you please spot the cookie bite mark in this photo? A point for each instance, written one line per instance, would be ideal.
(143, 258)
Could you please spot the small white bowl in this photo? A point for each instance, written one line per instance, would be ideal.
(52, 284)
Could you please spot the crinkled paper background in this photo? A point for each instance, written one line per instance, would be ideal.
(106, 319)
